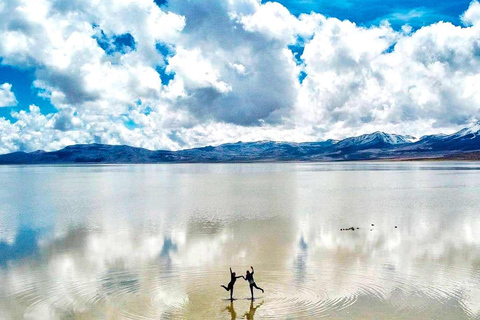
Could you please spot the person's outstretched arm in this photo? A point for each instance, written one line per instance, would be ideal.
(231, 270)
(240, 277)
(252, 270)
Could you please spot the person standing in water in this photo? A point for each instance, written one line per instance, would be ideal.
(251, 282)
(233, 278)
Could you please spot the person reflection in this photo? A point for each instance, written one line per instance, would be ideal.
(251, 313)
(231, 310)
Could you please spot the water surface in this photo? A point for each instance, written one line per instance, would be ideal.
(156, 241)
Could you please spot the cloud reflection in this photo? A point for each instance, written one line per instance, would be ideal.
(24, 245)
(134, 264)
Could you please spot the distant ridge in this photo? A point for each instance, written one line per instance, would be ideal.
(464, 144)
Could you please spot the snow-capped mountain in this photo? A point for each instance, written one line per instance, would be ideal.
(470, 132)
(377, 145)
(467, 139)
(377, 138)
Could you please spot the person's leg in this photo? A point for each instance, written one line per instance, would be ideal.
(251, 290)
(255, 285)
(231, 294)
(224, 287)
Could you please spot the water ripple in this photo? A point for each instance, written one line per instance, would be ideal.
(170, 291)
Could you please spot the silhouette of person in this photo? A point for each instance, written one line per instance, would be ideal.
(251, 282)
(233, 278)
(231, 309)
(251, 313)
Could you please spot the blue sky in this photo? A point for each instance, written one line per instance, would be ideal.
(416, 13)
(26, 94)
(174, 74)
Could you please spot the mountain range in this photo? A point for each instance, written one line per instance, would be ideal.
(464, 144)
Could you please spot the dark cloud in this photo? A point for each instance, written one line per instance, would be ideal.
(69, 83)
(66, 120)
(264, 93)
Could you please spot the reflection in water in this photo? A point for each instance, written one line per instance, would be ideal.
(115, 281)
(231, 309)
(251, 313)
(24, 245)
(300, 262)
(153, 242)
(168, 247)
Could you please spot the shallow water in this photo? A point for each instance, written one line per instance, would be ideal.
(156, 241)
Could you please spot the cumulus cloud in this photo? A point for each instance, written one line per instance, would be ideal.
(7, 97)
(276, 22)
(472, 15)
(35, 131)
(197, 73)
(58, 41)
(264, 90)
(379, 78)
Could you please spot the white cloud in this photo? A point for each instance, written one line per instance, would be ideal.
(34, 131)
(58, 41)
(7, 97)
(472, 15)
(196, 71)
(361, 79)
(276, 22)
(240, 68)
(234, 77)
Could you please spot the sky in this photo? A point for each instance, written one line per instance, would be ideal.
(178, 74)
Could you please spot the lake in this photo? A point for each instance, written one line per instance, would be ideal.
(157, 241)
